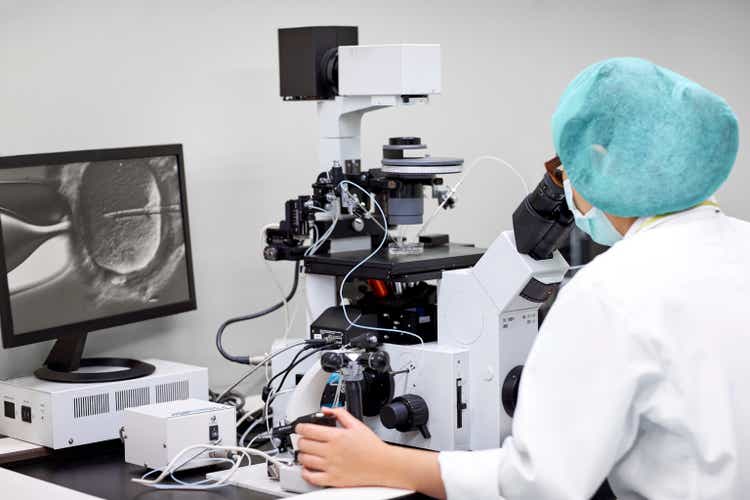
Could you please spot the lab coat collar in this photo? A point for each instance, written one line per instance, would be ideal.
(647, 223)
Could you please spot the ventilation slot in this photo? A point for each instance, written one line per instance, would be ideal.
(129, 398)
(85, 406)
(172, 391)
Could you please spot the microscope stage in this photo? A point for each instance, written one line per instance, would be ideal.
(428, 265)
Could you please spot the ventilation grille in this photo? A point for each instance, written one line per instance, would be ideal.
(85, 406)
(129, 398)
(172, 391)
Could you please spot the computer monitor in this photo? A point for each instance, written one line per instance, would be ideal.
(91, 240)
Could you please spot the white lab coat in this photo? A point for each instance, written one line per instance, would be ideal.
(640, 373)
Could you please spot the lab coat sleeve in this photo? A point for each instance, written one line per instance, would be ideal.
(576, 413)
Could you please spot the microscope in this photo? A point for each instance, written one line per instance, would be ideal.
(426, 339)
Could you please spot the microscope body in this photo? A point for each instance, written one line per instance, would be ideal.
(487, 322)
(475, 309)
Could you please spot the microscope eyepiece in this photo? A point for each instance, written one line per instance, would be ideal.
(543, 220)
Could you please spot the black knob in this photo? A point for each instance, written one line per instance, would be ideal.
(332, 361)
(509, 393)
(405, 141)
(406, 413)
(377, 360)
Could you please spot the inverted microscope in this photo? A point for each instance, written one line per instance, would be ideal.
(422, 340)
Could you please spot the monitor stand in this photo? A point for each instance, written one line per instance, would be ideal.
(65, 359)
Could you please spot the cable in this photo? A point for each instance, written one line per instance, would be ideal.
(183, 483)
(461, 181)
(361, 263)
(220, 333)
(231, 399)
(246, 416)
(256, 367)
(293, 364)
(263, 435)
(319, 243)
(249, 430)
(170, 468)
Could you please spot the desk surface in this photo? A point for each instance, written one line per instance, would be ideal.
(100, 470)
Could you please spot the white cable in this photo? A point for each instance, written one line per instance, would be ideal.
(249, 430)
(275, 280)
(256, 367)
(319, 243)
(202, 482)
(259, 436)
(461, 181)
(361, 263)
(301, 292)
(245, 452)
(266, 417)
(244, 417)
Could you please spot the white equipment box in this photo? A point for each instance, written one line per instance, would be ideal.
(155, 434)
(59, 415)
(381, 70)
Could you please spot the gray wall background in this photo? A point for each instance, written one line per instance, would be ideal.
(95, 74)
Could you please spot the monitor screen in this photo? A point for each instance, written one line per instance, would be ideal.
(101, 236)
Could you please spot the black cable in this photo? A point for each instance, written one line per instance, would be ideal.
(219, 334)
(286, 371)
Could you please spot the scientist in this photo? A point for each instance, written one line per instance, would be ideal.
(641, 371)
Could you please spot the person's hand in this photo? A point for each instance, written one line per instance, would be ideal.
(350, 455)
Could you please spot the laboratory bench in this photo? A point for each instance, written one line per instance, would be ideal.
(100, 470)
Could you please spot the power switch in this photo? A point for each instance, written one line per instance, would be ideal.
(10, 409)
(213, 433)
(460, 405)
(26, 413)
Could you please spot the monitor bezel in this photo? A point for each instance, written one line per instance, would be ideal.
(9, 337)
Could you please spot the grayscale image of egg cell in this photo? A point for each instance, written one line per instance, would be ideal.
(127, 225)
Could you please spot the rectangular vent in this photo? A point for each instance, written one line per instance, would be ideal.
(85, 406)
(172, 391)
(130, 398)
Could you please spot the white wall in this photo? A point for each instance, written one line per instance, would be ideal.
(94, 74)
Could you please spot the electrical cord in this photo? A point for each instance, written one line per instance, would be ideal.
(250, 429)
(172, 466)
(293, 364)
(270, 394)
(261, 364)
(220, 333)
(320, 241)
(461, 181)
(232, 399)
(361, 263)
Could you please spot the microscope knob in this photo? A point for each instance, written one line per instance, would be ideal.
(509, 392)
(405, 141)
(406, 413)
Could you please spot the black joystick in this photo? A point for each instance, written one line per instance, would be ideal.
(406, 413)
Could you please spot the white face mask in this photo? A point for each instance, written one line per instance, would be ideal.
(595, 223)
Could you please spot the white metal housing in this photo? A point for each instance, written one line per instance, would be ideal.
(155, 434)
(379, 70)
(59, 415)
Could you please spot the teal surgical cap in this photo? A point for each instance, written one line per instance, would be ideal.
(637, 139)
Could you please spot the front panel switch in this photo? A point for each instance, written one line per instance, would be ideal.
(460, 405)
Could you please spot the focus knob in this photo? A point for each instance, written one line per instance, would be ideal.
(509, 393)
(405, 141)
(406, 413)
